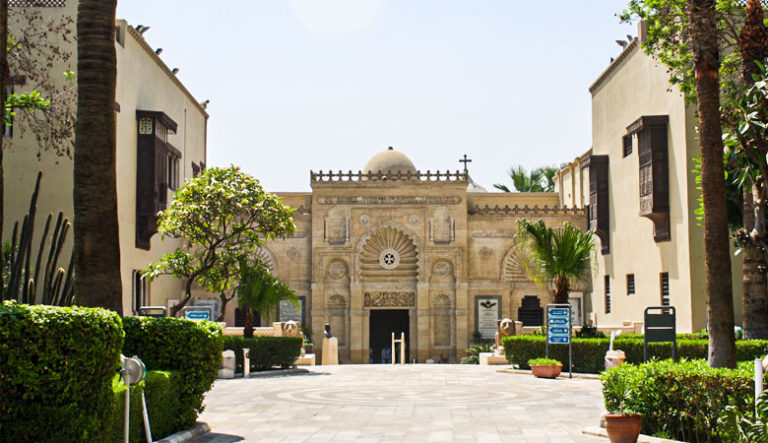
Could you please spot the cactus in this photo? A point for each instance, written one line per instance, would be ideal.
(22, 281)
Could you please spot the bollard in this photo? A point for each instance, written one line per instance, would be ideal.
(246, 362)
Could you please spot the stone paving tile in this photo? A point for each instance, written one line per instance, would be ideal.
(412, 403)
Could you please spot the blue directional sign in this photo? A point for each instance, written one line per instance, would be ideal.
(198, 315)
(558, 325)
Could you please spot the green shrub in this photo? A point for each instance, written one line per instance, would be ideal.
(473, 353)
(589, 353)
(56, 370)
(161, 391)
(683, 400)
(544, 362)
(171, 344)
(266, 352)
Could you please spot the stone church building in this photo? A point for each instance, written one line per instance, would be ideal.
(392, 249)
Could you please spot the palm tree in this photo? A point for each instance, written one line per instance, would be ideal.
(555, 256)
(97, 247)
(539, 179)
(702, 35)
(259, 291)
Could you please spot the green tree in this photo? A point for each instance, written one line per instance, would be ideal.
(555, 257)
(97, 244)
(538, 180)
(259, 291)
(222, 216)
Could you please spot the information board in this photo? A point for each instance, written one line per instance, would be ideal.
(487, 312)
(558, 324)
(286, 311)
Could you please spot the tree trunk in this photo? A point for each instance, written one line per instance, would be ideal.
(755, 297)
(560, 294)
(224, 300)
(4, 75)
(97, 247)
(248, 329)
(753, 41)
(717, 260)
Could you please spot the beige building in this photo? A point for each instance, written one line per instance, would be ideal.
(392, 249)
(640, 191)
(161, 141)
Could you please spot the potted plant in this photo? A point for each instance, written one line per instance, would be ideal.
(545, 367)
(621, 423)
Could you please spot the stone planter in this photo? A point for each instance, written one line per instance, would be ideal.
(622, 428)
(546, 371)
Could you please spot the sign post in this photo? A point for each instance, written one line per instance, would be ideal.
(559, 329)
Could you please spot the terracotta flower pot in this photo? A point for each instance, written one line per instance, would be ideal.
(622, 428)
(546, 371)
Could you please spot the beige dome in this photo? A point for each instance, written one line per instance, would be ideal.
(390, 160)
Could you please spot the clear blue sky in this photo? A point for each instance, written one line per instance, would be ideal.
(325, 84)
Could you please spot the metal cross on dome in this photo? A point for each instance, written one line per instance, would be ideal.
(465, 160)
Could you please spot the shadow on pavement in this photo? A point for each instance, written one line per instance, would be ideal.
(214, 437)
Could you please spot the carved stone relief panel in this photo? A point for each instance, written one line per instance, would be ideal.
(336, 307)
(442, 320)
(441, 227)
(338, 270)
(336, 228)
(389, 299)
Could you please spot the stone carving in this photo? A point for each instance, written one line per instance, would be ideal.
(336, 302)
(493, 233)
(265, 256)
(413, 219)
(514, 267)
(442, 268)
(389, 299)
(390, 200)
(336, 229)
(293, 329)
(388, 249)
(337, 270)
(364, 219)
(292, 253)
(441, 228)
(505, 329)
(441, 301)
(485, 252)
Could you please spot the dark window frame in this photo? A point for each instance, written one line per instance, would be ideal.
(664, 288)
(631, 284)
(626, 141)
(607, 293)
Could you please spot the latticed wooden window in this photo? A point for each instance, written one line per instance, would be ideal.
(630, 284)
(607, 294)
(664, 288)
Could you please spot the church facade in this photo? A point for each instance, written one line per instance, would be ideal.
(390, 249)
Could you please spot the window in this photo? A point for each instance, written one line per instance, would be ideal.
(627, 142)
(630, 284)
(195, 170)
(607, 294)
(140, 294)
(173, 172)
(664, 288)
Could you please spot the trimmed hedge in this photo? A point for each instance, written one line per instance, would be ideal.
(56, 371)
(684, 400)
(266, 352)
(589, 353)
(172, 344)
(161, 391)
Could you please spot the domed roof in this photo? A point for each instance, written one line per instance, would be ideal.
(389, 160)
(474, 187)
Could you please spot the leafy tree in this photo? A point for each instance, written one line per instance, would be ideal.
(222, 216)
(538, 180)
(97, 244)
(555, 256)
(259, 291)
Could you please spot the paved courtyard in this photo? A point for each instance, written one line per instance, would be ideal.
(417, 403)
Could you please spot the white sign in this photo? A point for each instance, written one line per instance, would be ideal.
(287, 311)
(488, 310)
